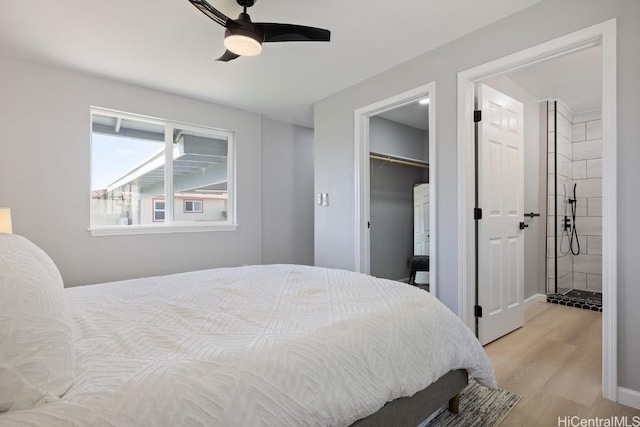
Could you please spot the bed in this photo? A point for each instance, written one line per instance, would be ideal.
(275, 345)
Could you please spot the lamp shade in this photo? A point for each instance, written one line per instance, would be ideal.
(243, 45)
(5, 220)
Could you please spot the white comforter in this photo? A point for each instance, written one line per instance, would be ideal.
(277, 345)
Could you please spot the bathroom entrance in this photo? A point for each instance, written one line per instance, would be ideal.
(602, 35)
(574, 211)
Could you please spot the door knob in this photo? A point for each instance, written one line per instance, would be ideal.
(523, 226)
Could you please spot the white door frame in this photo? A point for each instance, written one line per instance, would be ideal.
(603, 34)
(362, 172)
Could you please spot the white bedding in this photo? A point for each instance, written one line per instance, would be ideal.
(278, 345)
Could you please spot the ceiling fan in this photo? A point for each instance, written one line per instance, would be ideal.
(245, 38)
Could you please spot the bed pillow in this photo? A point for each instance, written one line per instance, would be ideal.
(37, 356)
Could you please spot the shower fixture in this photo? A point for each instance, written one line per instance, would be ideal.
(569, 231)
(574, 233)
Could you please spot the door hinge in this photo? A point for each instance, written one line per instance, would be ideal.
(477, 311)
(368, 224)
(477, 214)
(477, 116)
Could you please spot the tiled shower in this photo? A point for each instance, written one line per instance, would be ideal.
(574, 209)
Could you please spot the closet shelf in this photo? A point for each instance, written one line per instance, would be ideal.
(400, 160)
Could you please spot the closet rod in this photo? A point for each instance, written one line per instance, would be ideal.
(392, 159)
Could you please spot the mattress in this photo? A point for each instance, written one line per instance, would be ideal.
(277, 345)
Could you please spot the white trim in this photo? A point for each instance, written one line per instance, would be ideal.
(534, 299)
(168, 175)
(609, 213)
(604, 34)
(151, 229)
(361, 146)
(629, 397)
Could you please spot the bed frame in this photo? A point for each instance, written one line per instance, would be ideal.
(411, 411)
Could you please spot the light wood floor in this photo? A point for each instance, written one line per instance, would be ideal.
(554, 364)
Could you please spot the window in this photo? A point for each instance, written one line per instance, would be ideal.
(150, 175)
(158, 210)
(193, 206)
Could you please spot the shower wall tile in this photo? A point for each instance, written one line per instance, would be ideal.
(594, 282)
(579, 132)
(587, 264)
(551, 200)
(551, 224)
(551, 123)
(589, 226)
(580, 280)
(565, 131)
(551, 271)
(565, 186)
(551, 204)
(551, 248)
(587, 150)
(565, 128)
(594, 129)
(565, 262)
(578, 161)
(581, 209)
(565, 146)
(594, 206)
(579, 169)
(594, 168)
(564, 112)
(565, 166)
(587, 116)
(590, 187)
(565, 281)
(551, 146)
(551, 186)
(594, 245)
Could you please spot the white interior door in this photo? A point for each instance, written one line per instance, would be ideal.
(421, 219)
(500, 196)
(421, 226)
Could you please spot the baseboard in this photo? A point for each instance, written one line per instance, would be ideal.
(629, 397)
(535, 298)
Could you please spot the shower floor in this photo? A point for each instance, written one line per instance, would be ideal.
(587, 300)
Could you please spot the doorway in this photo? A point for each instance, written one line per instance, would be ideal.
(363, 155)
(603, 34)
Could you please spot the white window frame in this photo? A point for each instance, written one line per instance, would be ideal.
(155, 209)
(169, 225)
(193, 204)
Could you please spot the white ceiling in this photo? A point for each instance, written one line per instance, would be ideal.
(415, 115)
(169, 45)
(576, 79)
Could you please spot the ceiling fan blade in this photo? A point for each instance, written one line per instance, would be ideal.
(292, 33)
(228, 56)
(211, 12)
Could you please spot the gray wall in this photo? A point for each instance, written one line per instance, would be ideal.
(391, 196)
(389, 137)
(44, 177)
(534, 185)
(334, 166)
(287, 193)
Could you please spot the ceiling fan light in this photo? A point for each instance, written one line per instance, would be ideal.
(242, 45)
